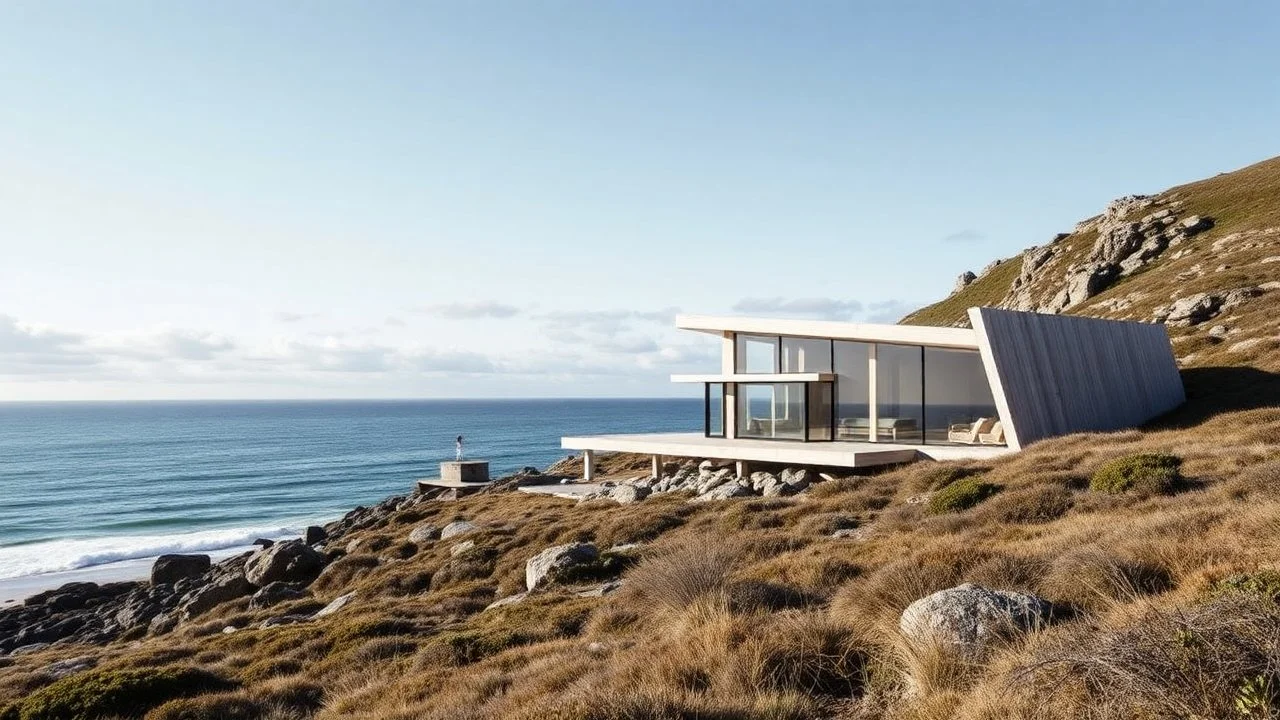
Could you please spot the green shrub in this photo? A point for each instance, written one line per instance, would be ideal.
(960, 495)
(1264, 583)
(1145, 474)
(103, 693)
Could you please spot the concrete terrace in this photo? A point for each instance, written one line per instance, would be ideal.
(833, 454)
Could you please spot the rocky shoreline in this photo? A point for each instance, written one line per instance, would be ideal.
(182, 588)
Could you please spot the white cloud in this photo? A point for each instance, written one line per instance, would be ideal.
(964, 236)
(29, 350)
(471, 310)
(819, 308)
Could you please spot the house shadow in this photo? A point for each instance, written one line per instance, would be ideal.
(1212, 391)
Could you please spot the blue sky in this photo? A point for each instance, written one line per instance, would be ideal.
(245, 199)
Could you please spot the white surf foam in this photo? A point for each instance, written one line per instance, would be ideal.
(62, 555)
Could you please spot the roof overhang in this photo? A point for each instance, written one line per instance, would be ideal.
(961, 338)
(756, 378)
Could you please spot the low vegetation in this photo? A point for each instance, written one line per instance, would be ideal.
(1144, 474)
(765, 607)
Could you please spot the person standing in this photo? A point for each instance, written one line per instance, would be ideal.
(458, 446)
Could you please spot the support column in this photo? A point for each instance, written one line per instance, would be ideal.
(741, 468)
(657, 467)
(588, 465)
(873, 412)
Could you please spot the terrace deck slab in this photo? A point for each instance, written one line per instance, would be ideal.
(832, 454)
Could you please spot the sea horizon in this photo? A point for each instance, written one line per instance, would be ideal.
(95, 483)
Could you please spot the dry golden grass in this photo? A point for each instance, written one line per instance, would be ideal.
(750, 609)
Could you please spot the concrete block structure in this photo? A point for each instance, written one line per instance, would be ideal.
(855, 395)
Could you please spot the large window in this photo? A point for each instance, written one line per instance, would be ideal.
(958, 405)
(805, 355)
(771, 410)
(714, 420)
(900, 393)
(853, 413)
(756, 354)
(820, 407)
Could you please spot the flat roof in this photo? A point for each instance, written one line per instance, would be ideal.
(834, 454)
(755, 377)
(963, 338)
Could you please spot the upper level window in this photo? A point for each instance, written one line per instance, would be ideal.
(756, 354)
(805, 355)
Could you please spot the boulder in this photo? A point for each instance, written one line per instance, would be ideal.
(457, 527)
(1190, 310)
(314, 535)
(966, 278)
(627, 494)
(70, 666)
(1194, 225)
(551, 564)
(797, 479)
(338, 603)
(424, 534)
(224, 589)
(760, 479)
(723, 492)
(276, 593)
(966, 618)
(169, 569)
(462, 547)
(290, 561)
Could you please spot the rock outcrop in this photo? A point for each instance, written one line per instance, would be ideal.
(169, 569)
(291, 561)
(553, 563)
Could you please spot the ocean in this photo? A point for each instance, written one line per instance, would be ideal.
(90, 484)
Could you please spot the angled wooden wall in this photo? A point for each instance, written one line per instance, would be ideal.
(1058, 374)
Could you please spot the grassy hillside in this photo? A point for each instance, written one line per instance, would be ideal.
(752, 609)
(1245, 207)
(1158, 548)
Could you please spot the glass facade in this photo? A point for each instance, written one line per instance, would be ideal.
(899, 393)
(756, 353)
(853, 390)
(805, 355)
(922, 394)
(773, 411)
(714, 421)
(958, 405)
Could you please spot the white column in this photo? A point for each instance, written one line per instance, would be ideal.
(588, 465)
(730, 389)
(657, 467)
(873, 412)
(741, 468)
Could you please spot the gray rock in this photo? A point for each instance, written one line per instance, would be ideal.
(276, 593)
(1218, 331)
(1194, 225)
(797, 479)
(600, 590)
(169, 569)
(552, 563)
(759, 479)
(508, 600)
(338, 603)
(968, 617)
(723, 492)
(457, 527)
(28, 649)
(463, 547)
(289, 561)
(777, 488)
(627, 494)
(314, 535)
(282, 620)
(424, 534)
(222, 590)
(70, 666)
(966, 278)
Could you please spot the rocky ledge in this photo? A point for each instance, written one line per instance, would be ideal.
(709, 480)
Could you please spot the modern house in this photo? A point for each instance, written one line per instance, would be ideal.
(857, 395)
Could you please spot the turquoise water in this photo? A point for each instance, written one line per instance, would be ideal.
(83, 484)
